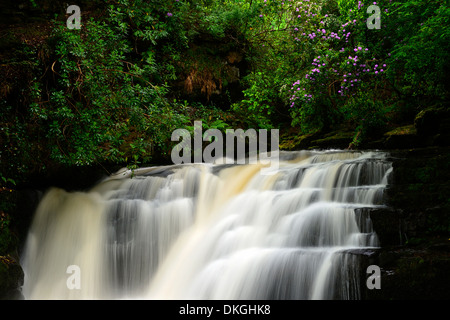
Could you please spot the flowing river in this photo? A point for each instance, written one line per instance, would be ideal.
(204, 231)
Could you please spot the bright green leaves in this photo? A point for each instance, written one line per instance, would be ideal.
(109, 90)
(106, 104)
(421, 46)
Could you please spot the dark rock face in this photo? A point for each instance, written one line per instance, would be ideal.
(11, 278)
(409, 273)
(387, 224)
(414, 231)
(433, 121)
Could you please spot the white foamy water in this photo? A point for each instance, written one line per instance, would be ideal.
(206, 231)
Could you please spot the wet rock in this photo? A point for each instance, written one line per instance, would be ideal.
(414, 257)
(11, 278)
(387, 223)
(335, 140)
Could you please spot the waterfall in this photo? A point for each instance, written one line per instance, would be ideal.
(211, 231)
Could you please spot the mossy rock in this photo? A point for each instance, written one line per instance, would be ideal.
(402, 137)
(294, 141)
(400, 131)
(434, 122)
(336, 139)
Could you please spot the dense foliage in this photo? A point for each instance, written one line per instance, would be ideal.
(114, 91)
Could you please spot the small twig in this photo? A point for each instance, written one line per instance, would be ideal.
(54, 69)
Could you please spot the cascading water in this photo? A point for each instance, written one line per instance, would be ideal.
(205, 231)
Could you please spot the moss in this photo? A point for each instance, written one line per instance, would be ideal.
(290, 143)
(405, 130)
(316, 140)
(292, 140)
(335, 139)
